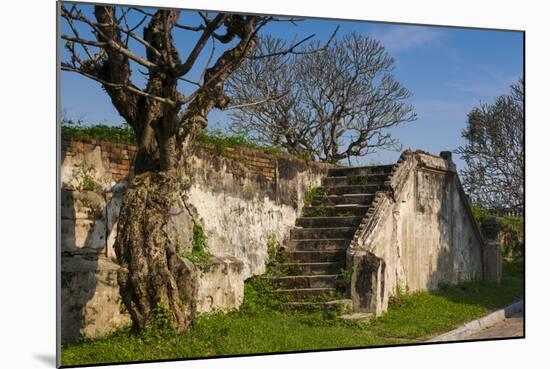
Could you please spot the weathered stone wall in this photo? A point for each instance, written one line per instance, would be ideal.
(242, 197)
(241, 209)
(418, 235)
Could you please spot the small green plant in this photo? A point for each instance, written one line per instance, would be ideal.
(89, 184)
(316, 211)
(346, 213)
(272, 248)
(199, 254)
(312, 193)
(86, 172)
(399, 300)
(260, 296)
(274, 253)
(345, 275)
(354, 179)
(160, 325)
(95, 212)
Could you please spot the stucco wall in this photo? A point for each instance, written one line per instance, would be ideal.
(242, 197)
(417, 236)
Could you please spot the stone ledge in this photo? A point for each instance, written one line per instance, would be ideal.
(475, 326)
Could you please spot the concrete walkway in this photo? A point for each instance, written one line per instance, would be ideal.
(509, 327)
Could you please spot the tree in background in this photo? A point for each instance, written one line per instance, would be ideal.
(329, 106)
(494, 152)
(105, 47)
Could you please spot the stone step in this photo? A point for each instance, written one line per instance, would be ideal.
(318, 245)
(323, 222)
(338, 305)
(304, 293)
(354, 180)
(311, 268)
(321, 233)
(373, 169)
(334, 211)
(315, 256)
(358, 199)
(306, 281)
(353, 189)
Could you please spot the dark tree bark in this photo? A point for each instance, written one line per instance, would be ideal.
(166, 124)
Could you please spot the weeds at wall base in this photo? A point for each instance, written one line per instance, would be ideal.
(261, 326)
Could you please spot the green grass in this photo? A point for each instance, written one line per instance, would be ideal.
(422, 314)
(260, 326)
(221, 140)
(118, 134)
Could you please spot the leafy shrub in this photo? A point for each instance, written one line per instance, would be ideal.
(511, 236)
(479, 214)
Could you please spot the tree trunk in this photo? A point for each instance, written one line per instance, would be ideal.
(152, 272)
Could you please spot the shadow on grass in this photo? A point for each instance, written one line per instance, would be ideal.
(420, 315)
(489, 296)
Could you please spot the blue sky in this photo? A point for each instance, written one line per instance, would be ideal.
(448, 70)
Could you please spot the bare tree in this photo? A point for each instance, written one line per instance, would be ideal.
(166, 123)
(494, 152)
(329, 105)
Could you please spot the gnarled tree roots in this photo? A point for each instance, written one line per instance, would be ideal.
(151, 270)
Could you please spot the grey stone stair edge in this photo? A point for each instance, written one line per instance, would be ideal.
(303, 276)
(373, 168)
(322, 233)
(331, 217)
(347, 195)
(308, 252)
(327, 263)
(307, 289)
(317, 240)
(314, 303)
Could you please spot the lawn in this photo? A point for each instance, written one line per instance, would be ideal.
(261, 327)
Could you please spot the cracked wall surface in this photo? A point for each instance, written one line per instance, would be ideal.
(422, 230)
(241, 197)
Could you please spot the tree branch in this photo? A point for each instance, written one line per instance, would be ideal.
(69, 68)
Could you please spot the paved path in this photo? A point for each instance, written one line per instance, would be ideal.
(509, 327)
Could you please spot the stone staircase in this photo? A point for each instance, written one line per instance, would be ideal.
(313, 271)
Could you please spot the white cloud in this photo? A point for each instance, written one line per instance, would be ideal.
(402, 38)
(489, 88)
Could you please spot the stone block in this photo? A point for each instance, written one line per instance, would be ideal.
(492, 258)
(221, 285)
(83, 220)
(90, 301)
(368, 283)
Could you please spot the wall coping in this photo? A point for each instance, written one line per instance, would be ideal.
(242, 150)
